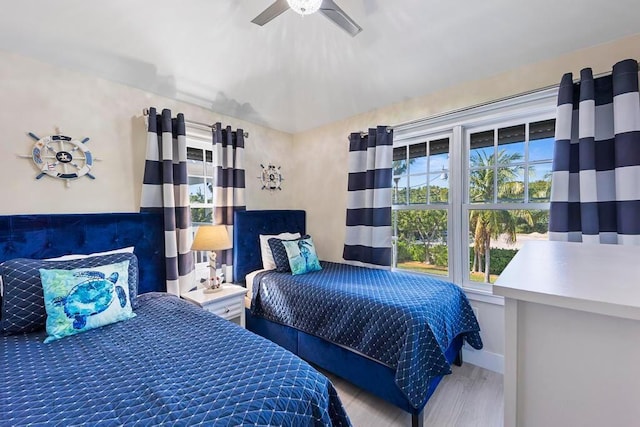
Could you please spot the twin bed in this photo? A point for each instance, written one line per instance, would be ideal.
(177, 364)
(172, 364)
(392, 334)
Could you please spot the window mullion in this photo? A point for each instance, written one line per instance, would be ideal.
(495, 165)
(526, 163)
(456, 194)
(428, 170)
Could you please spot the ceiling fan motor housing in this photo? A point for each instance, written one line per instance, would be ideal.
(305, 7)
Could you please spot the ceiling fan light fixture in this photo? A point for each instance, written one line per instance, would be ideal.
(305, 7)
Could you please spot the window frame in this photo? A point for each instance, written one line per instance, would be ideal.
(201, 145)
(467, 206)
(526, 108)
(198, 139)
(448, 207)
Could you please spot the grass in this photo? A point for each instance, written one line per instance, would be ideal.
(441, 271)
(424, 268)
(479, 277)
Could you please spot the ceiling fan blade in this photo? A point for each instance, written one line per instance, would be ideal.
(276, 9)
(332, 11)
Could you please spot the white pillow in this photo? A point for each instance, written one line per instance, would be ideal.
(126, 250)
(267, 257)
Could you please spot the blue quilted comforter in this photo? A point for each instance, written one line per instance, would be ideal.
(405, 321)
(174, 364)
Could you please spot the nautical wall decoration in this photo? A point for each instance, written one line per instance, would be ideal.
(271, 177)
(62, 157)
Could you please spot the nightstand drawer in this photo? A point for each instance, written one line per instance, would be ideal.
(226, 309)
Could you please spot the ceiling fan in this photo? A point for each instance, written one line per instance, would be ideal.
(306, 7)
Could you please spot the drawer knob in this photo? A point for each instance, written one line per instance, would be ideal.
(226, 309)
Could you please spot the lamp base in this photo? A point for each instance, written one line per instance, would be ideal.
(211, 290)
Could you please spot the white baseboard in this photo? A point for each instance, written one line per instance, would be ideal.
(484, 359)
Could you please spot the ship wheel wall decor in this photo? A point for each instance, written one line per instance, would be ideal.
(271, 177)
(61, 157)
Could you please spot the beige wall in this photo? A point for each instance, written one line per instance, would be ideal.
(38, 97)
(319, 161)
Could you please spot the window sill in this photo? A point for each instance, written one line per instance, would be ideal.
(486, 296)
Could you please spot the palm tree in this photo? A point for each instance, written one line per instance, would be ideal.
(488, 224)
(491, 224)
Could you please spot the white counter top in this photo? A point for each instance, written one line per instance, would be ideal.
(602, 279)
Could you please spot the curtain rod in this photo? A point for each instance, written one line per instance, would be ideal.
(145, 111)
(483, 104)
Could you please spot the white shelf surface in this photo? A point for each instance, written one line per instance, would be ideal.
(603, 279)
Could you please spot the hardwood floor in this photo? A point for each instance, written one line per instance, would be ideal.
(469, 397)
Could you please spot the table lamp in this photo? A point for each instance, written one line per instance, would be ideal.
(211, 238)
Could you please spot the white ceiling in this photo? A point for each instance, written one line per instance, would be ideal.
(297, 73)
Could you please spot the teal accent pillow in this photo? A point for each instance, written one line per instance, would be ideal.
(302, 255)
(85, 298)
(280, 257)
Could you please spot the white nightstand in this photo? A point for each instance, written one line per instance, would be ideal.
(227, 303)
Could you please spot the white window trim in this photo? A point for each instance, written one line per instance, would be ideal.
(539, 102)
(458, 125)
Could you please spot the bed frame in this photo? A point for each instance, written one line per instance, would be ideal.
(47, 236)
(362, 371)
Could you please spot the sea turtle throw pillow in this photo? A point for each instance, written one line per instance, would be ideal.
(302, 255)
(85, 298)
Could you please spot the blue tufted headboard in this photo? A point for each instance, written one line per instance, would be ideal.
(47, 236)
(248, 225)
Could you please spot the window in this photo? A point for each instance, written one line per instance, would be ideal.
(469, 188)
(509, 184)
(200, 176)
(421, 199)
(200, 171)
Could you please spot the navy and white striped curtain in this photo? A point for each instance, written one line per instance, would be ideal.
(229, 182)
(368, 236)
(165, 189)
(595, 191)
